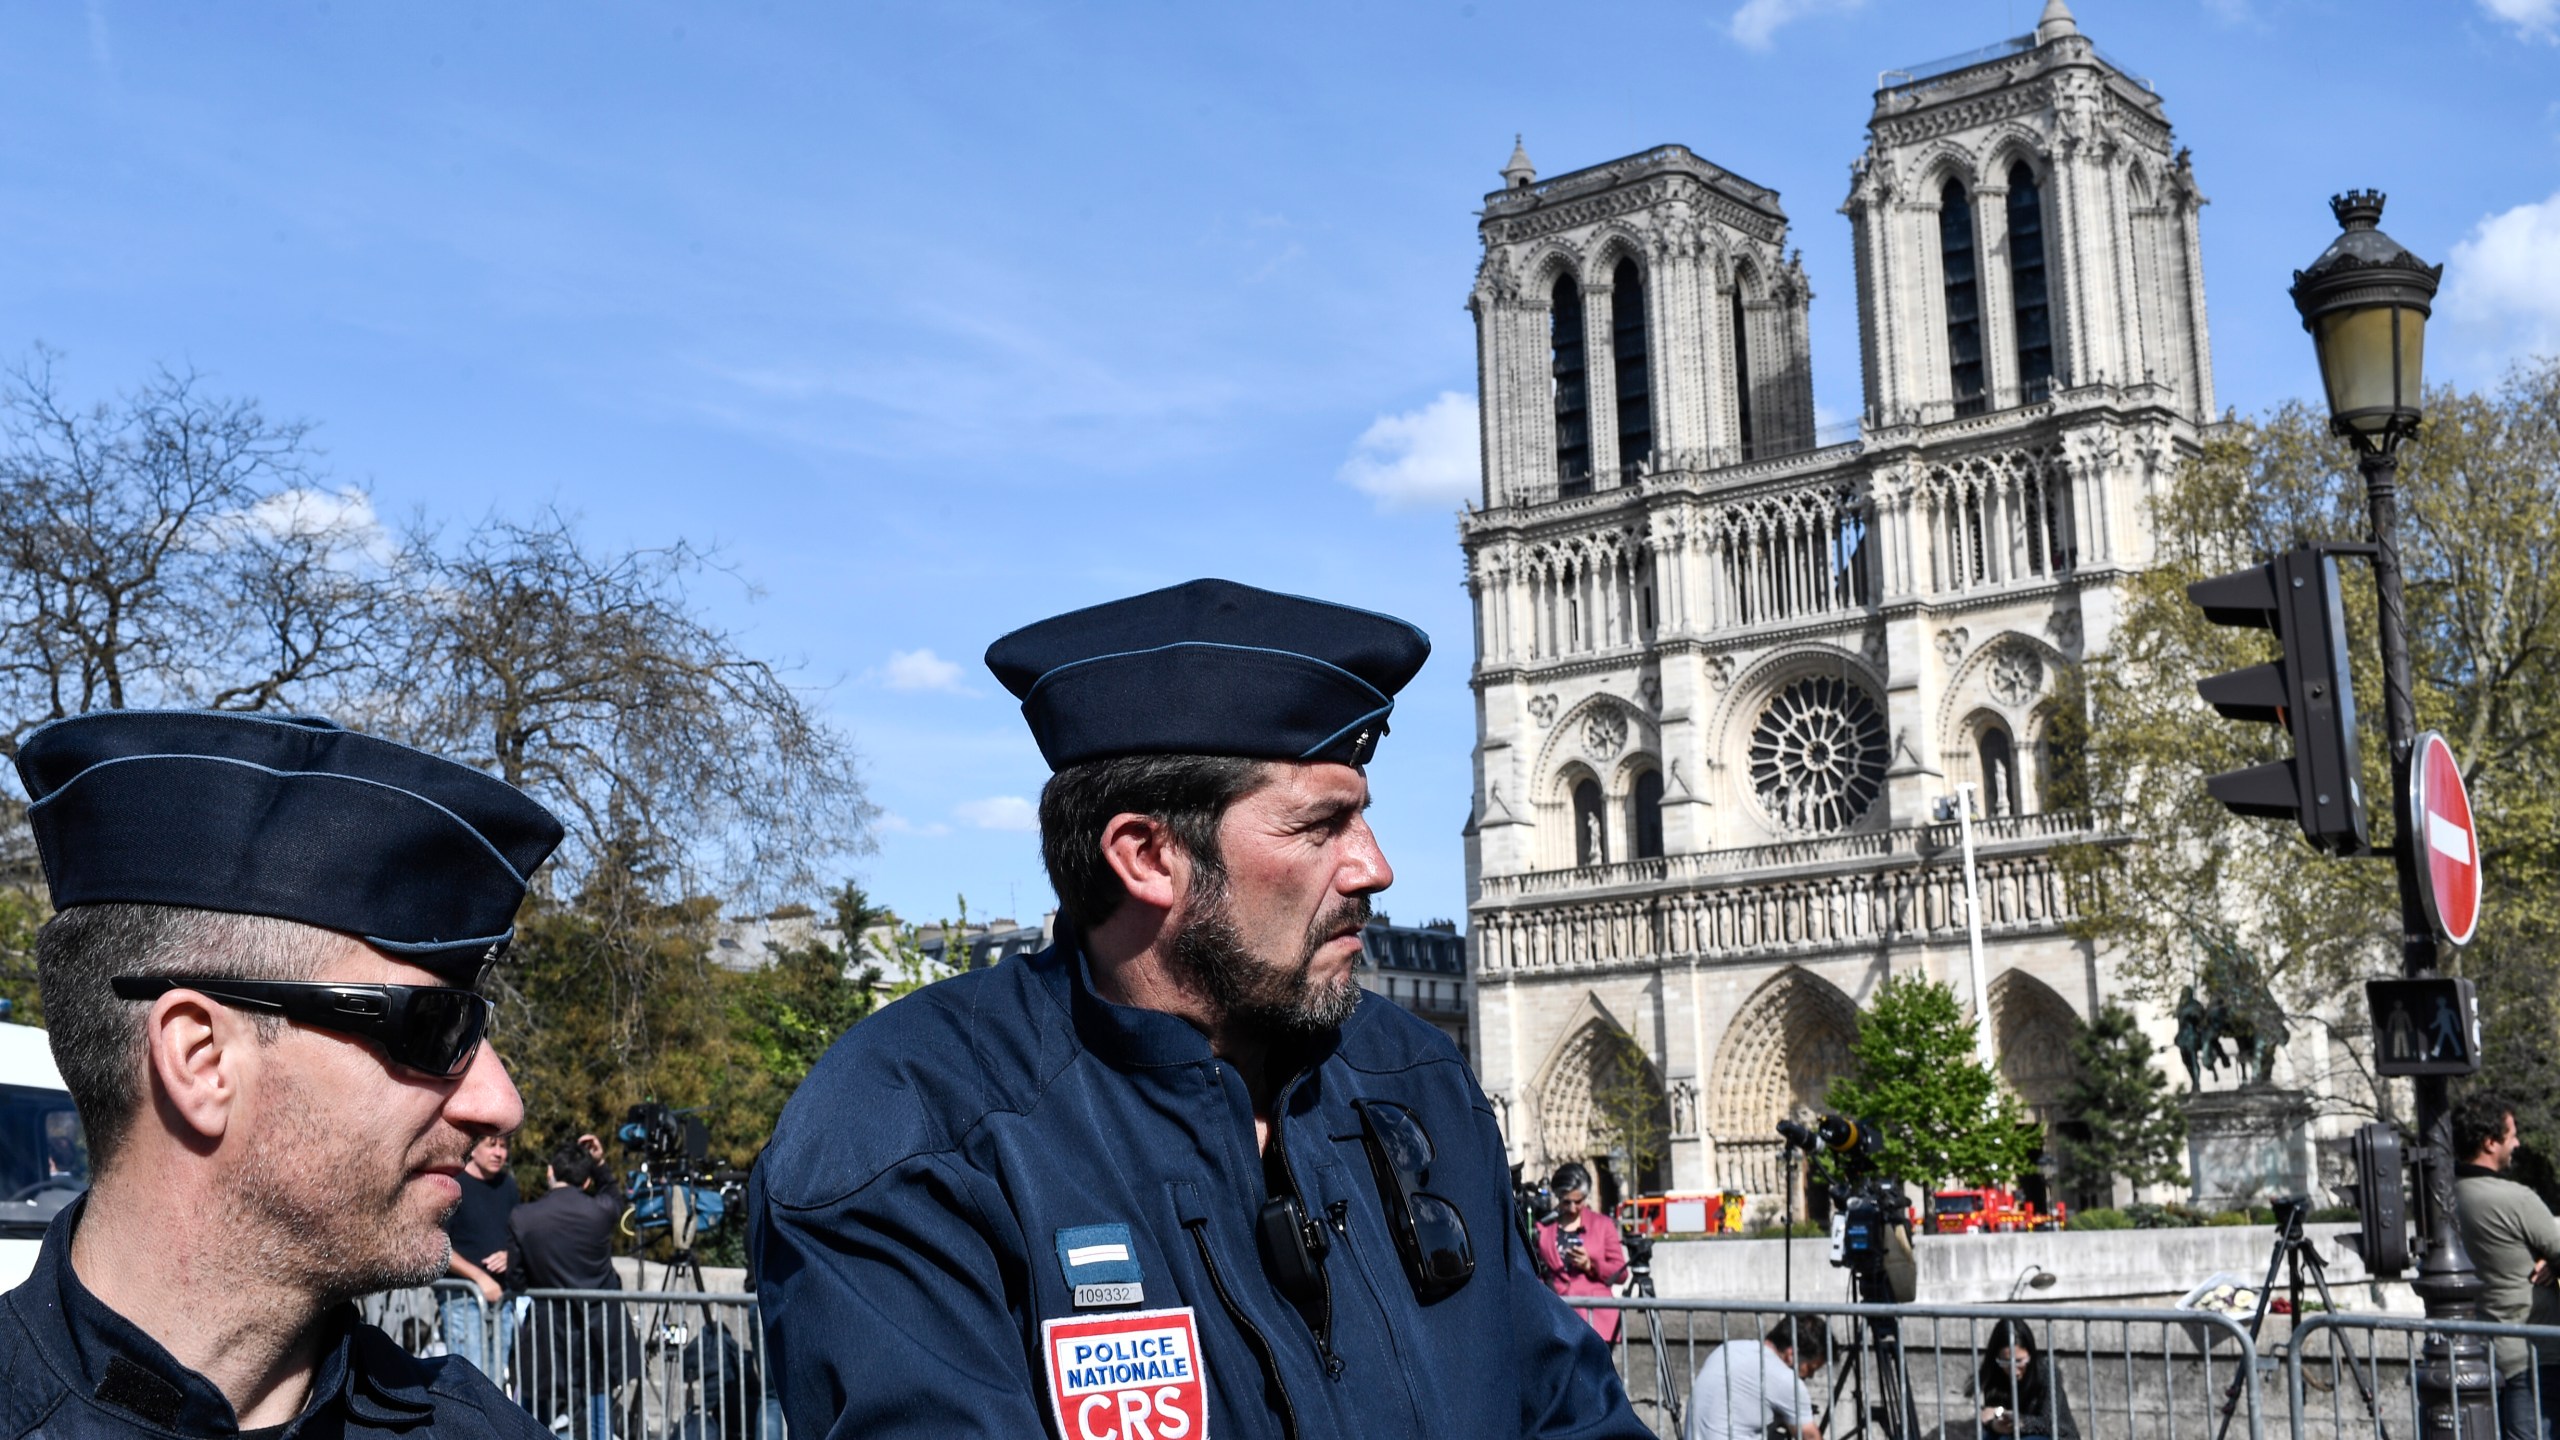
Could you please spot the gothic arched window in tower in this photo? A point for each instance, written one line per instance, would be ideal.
(1628, 340)
(1964, 305)
(1646, 807)
(1999, 760)
(1590, 825)
(1742, 371)
(1573, 391)
(2033, 313)
(1818, 755)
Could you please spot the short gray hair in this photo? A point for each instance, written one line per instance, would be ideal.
(97, 1037)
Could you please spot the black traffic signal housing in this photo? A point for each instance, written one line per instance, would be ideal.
(2382, 1209)
(2310, 691)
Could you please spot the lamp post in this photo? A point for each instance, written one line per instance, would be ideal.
(1958, 807)
(2365, 302)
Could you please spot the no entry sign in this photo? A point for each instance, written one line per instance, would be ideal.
(2448, 845)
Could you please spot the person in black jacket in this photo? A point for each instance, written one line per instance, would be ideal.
(574, 1350)
(2021, 1388)
(1178, 1174)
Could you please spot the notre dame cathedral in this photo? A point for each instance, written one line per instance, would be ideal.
(1727, 665)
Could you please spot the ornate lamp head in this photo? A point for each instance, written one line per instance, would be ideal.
(2365, 302)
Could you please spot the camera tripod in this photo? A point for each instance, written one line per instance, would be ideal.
(2296, 1256)
(1894, 1412)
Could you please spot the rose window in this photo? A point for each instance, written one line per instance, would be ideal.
(1818, 755)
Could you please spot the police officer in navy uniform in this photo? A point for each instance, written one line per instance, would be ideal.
(258, 985)
(1178, 1173)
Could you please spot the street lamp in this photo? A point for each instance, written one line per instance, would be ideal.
(1958, 807)
(2365, 302)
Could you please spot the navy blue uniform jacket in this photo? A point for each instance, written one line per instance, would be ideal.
(906, 1216)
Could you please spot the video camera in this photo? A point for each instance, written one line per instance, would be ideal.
(1833, 1134)
(1870, 1216)
(1533, 1203)
(677, 1189)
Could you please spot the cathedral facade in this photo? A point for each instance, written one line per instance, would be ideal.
(1728, 666)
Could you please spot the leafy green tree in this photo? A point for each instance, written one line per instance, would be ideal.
(22, 913)
(2136, 1130)
(788, 1013)
(1627, 1102)
(1943, 1113)
(2480, 505)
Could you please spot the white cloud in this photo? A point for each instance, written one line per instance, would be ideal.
(922, 670)
(2533, 17)
(1422, 457)
(2502, 284)
(999, 812)
(891, 823)
(1756, 24)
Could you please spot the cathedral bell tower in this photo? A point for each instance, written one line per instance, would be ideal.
(1726, 667)
(2023, 227)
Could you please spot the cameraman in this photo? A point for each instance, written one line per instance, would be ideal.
(1581, 1247)
(575, 1350)
(1745, 1384)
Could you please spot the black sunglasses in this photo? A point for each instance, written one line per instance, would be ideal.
(429, 1028)
(1430, 1234)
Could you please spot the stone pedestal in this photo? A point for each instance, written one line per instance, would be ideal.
(2247, 1146)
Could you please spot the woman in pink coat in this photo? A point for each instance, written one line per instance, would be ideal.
(1581, 1247)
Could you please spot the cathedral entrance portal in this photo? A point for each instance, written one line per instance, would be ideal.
(1777, 1061)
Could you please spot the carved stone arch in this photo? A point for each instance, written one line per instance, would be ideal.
(2032, 1028)
(1941, 162)
(1569, 740)
(1612, 242)
(1747, 278)
(2011, 144)
(1565, 1091)
(1776, 1061)
(1544, 262)
(1995, 666)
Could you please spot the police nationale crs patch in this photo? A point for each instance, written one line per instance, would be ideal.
(1134, 1376)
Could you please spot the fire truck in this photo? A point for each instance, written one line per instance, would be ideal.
(1682, 1214)
(1988, 1210)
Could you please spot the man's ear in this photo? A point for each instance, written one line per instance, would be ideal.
(196, 1054)
(1151, 864)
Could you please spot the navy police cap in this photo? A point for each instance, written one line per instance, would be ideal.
(286, 816)
(1209, 668)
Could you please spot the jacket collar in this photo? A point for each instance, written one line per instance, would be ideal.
(1137, 1038)
(1125, 1035)
(109, 1359)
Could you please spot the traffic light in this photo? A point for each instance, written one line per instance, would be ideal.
(2309, 692)
(2382, 1211)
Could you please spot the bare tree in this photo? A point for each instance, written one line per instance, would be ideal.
(170, 548)
(591, 680)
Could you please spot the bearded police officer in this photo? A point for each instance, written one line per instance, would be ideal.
(1176, 1174)
(258, 987)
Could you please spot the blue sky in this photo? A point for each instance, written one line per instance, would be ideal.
(943, 317)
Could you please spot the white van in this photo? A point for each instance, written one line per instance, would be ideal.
(44, 1159)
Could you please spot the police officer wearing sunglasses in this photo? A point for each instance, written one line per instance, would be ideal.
(1178, 1174)
(259, 986)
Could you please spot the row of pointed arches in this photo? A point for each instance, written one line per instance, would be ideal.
(1776, 1059)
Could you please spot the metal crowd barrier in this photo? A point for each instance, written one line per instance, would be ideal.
(1910, 1372)
(2349, 1376)
(603, 1364)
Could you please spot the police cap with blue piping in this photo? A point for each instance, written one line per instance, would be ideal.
(1209, 668)
(286, 816)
